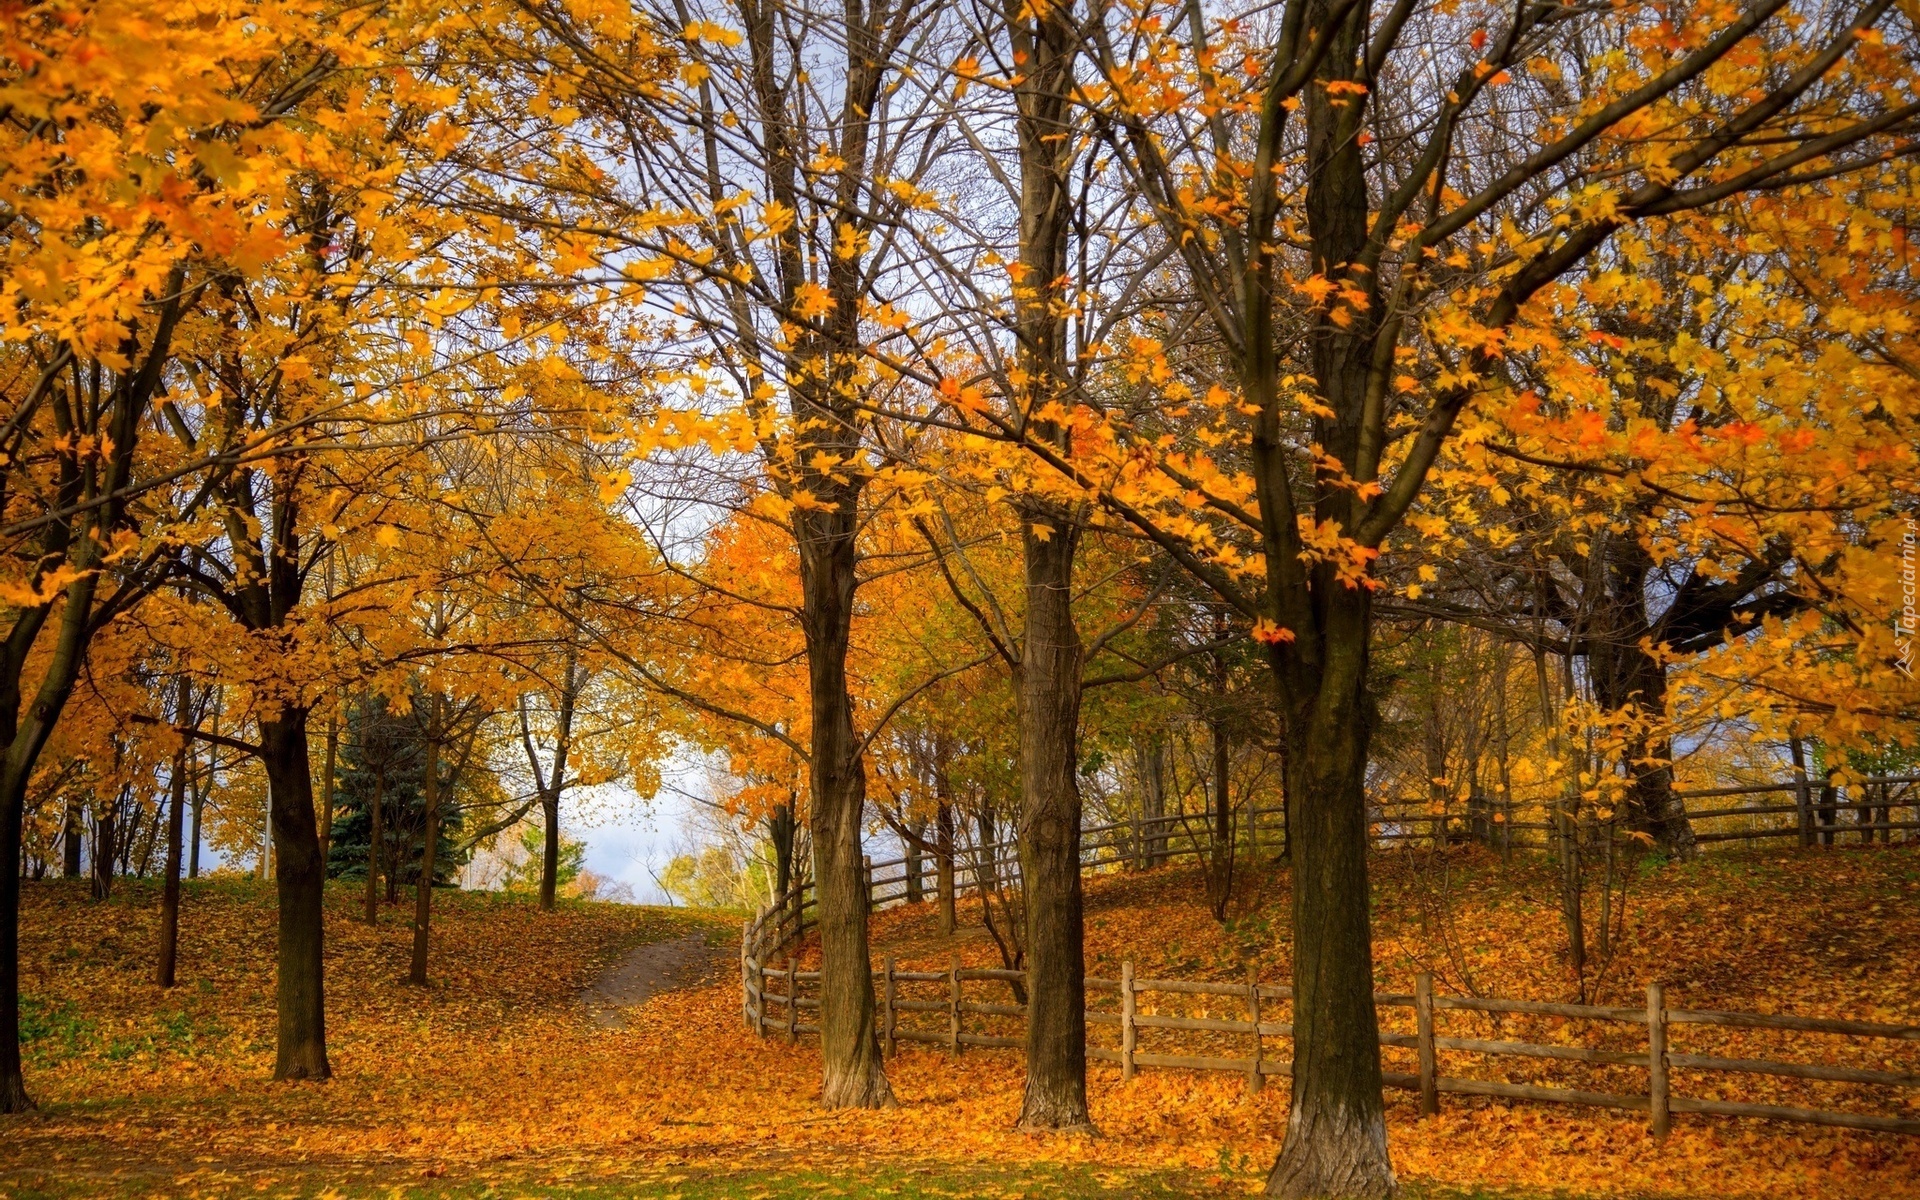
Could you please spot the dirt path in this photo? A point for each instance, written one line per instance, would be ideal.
(647, 970)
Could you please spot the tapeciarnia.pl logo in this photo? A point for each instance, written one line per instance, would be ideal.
(1907, 623)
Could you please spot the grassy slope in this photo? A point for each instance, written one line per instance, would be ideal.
(493, 1083)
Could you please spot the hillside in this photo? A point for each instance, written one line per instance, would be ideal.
(498, 1081)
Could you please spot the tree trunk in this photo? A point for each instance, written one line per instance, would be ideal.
(1336, 1138)
(1434, 742)
(986, 873)
(781, 830)
(326, 788)
(71, 836)
(13, 794)
(423, 888)
(376, 836)
(914, 869)
(946, 921)
(199, 803)
(850, 1047)
(556, 781)
(1151, 763)
(1220, 870)
(176, 822)
(300, 993)
(103, 851)
(1626, 678)
(1049, 830)
(549, 849)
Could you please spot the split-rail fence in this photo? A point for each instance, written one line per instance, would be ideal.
(774, 987)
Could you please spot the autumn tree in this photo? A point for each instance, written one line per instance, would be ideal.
(1363, 215)
(128, 208)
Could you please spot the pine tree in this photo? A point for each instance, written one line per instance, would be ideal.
(384, 753)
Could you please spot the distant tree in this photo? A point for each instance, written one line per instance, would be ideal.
(383, 761)
(714, 877)
(525, 873)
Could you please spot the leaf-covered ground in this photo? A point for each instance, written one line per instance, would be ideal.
(497, 1082)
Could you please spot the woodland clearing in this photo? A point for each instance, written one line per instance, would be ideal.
(497, 1080)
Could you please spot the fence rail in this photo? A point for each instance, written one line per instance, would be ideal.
(1816, 820)
(775, 999)
(1817, 811)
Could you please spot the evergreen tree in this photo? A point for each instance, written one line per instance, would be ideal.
(383, 753)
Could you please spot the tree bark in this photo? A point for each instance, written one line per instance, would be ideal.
(71, 835)
(946, 920)
(852, 1073)
(556, 780)
(199, 803)
(326, 787)
(423, 888)
(103, 851)
(781, 830)
(549, 850)
(176, 822)
(1150, 761)
(1626, 677)
(375, 836)
(300, 991)
(915, 866)
(1045, 40)
(1336, 1138)
(1056, 1089)
(1220, 870)
(13, 1089)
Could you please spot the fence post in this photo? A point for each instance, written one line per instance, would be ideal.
(1253, 1015)
(1423, 1034)
(793, 1000)
(953, 1006)
(1126, 1019)
(891, 1046)
(866, 875)
(746, 977)
(760, 1009)
(1658, 1117)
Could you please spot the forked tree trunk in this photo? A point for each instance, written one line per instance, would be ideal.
(1336, 1138)
(423, 888)
(300, 991)
(556, 780)
(1626, 676)
(1045, 40)
(1056, 1090)
(170, 888)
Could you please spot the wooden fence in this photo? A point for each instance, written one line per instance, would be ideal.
(775, 1000)
(1817, 815)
